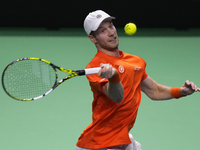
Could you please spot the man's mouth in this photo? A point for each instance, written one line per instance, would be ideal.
(113, 39)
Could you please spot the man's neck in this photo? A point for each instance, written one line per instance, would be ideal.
(114, 53)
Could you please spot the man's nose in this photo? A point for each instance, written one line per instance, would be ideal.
(110, 32)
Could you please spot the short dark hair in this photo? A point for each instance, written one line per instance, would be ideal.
(93, 33)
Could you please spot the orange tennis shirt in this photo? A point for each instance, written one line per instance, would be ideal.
(111, 121)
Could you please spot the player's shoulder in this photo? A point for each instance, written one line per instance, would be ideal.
(93, 63)
(96, 61)
(131, 56)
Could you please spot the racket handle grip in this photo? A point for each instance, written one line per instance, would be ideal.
(90, 71)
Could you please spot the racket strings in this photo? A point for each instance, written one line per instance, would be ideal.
(29, 79)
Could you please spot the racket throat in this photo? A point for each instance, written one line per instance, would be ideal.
(80, 72)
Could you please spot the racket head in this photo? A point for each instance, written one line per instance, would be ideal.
(29, 79)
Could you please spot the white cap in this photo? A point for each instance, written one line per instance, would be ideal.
(94, 19)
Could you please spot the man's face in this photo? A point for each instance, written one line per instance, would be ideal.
(106, 36)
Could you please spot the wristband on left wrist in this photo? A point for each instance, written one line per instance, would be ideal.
(176, 92)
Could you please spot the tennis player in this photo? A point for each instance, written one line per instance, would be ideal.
(117, 89)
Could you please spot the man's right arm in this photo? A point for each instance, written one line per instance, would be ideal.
(113, 88)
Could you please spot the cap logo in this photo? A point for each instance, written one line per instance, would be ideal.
(99, 16)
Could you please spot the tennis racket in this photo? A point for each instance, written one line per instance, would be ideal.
(28, 79)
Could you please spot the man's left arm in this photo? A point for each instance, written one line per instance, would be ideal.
(157, 91)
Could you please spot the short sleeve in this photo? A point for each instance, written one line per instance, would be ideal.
(144, 75)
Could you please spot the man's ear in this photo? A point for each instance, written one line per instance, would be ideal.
(92, 38)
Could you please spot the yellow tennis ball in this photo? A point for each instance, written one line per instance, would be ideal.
(130, 28)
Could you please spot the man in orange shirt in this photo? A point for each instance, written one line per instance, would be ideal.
(117, 89)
